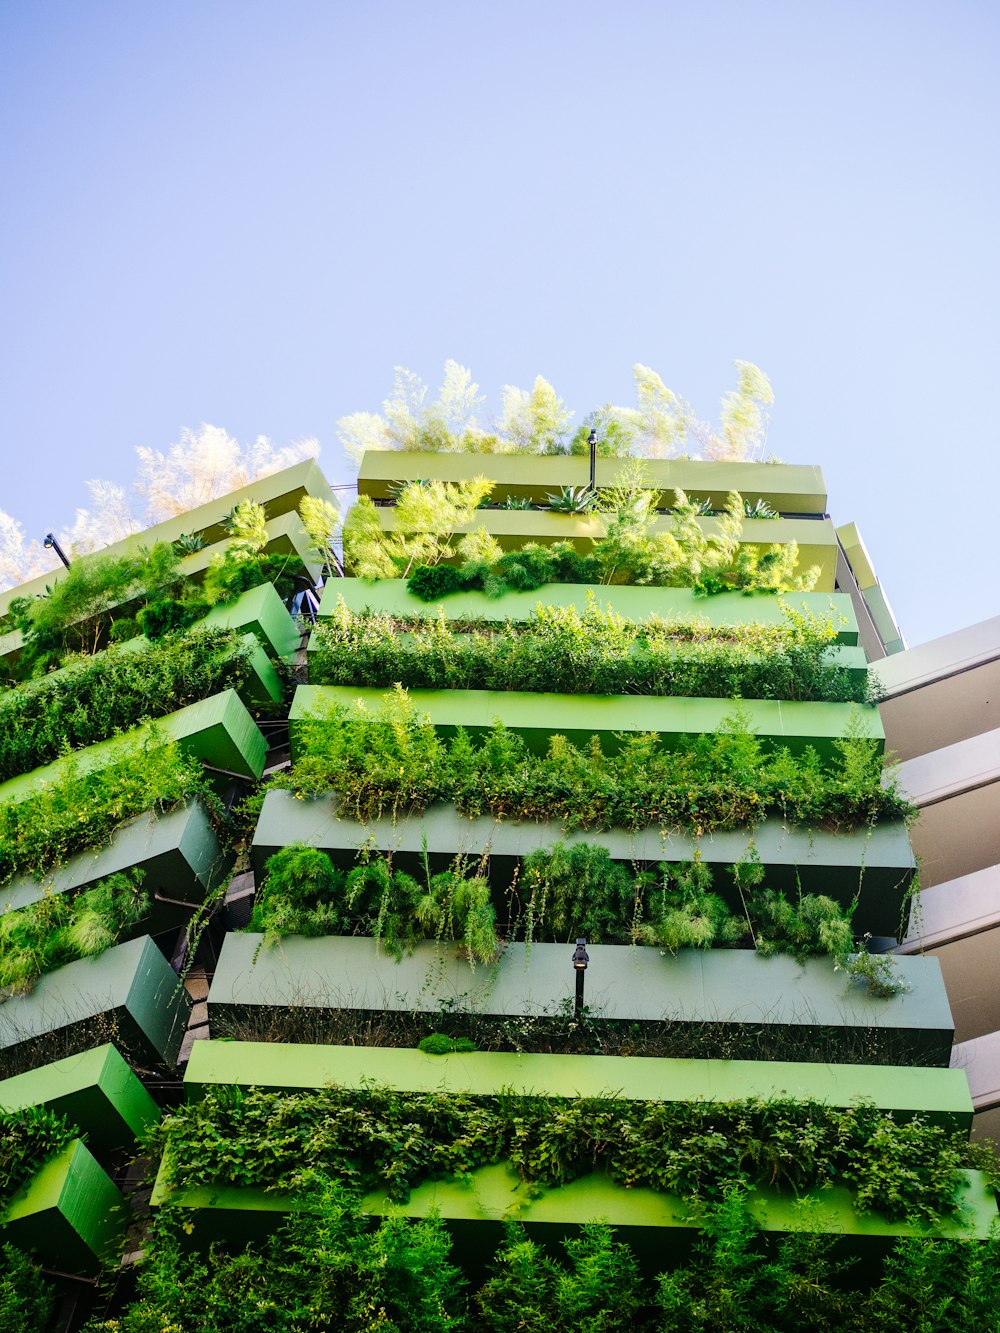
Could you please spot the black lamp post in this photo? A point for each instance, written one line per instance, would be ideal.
(580, 960)
(592, 441)
(51, 544)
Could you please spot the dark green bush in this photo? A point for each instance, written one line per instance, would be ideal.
(27, 1298)
(169, 615)
(127, 627)
(438, 1044)
(429, 582)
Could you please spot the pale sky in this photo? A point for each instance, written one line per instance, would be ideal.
(246, 214)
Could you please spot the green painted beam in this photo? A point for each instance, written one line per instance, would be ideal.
(538, 717)
(390, 597)
(940, 1095)
(784, 486)
(95, 1091)
(482, 1200)
(178, 852)
(720, 989)
(129, 995)
(262, 612)
(875, 865)
(219, 731)
(70, 1215)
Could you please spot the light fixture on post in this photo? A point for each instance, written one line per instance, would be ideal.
(592, 442)
(580, 960)
(51, 544)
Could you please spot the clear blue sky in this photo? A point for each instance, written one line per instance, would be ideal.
(247, 214)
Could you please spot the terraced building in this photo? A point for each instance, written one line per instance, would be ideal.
(358, 878)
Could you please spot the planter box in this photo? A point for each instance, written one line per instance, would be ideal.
(538, 717)
(219, 731)
(939, 1095)
(71, 1215)
(720, 989)
(876, 863)
(790, 488)
(390, 597)
(514, 528)
(476, 1207)
(95, 1090)
(179, 853)
(129, 995)
(262, 612)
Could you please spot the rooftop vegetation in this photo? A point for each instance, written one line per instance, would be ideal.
(536, 421)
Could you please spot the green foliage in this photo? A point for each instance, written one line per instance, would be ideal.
(372, 1138)
(28, 1138)
(158, 619)
(76, 612)
(304, 894)
(633, 551)
(27, 1299)
(123, 629)
(61, 928)
(330, 1269)
(392, 761)
(595, 651)
(876, 970)
(424, 518)
(81, 809)
(233, 574)
(577, 889)
(572, 500)
(436, 1043)
(115, 691)
(597, 1287)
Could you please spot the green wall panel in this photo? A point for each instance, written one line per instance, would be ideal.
(942, 1095)
(263, 613)
(876, 864)
(95, 1090)
(71, 1215)
(537, 717)
(129, 995)
(719, 988)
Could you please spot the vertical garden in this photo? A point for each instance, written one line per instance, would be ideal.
(293, 1033)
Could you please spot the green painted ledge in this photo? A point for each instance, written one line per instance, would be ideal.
(95, 1090)
(875, 864)
(70, 1215)
(718, 988)
(789, 487)
(538, 717)
(129, 995)
(390, 597)
(514, 528)
(219, 731)
(475, 1207)
(941, 1095)
(178, 852)
(262, 612)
